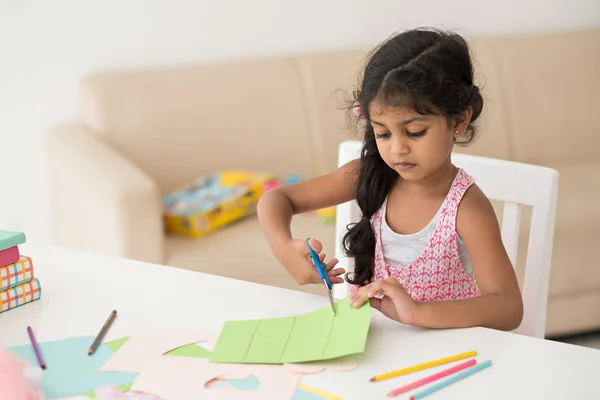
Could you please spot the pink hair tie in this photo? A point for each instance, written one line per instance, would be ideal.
(357, 110)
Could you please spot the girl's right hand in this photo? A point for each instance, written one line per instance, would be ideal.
(295, 257)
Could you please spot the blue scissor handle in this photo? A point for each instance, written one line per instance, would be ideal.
(320, 266)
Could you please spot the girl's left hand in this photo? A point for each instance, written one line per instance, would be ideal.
(395, 304)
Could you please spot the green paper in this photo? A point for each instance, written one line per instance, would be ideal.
(318, 335)
(70, 371)
(116, 344)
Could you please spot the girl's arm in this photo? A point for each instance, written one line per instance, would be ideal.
(277, 206)
(500, 305)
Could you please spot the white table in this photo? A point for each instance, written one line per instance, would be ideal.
(80, 290)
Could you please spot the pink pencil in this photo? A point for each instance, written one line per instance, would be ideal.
(432, 378)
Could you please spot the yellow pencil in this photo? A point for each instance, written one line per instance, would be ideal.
(428, 364)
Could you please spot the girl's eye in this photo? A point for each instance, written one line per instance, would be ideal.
(416, 134)
(381, 135)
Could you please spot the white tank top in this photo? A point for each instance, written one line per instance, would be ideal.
(400, 251)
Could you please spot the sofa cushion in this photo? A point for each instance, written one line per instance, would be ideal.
(572, 314)
(180, 123)
(240, 251)
(329, 80)
(576, 261)
(551, 85)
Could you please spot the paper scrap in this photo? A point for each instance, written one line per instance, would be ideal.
(185, 378)
(313, 336)
(70, 370)
(341, 364)
(144, 347)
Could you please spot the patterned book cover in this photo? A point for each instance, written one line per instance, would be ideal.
(15, 274)
(20, 295)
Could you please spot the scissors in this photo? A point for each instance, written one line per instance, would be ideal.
(322, 274)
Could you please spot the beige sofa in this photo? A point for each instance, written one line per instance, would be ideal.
(142, 133)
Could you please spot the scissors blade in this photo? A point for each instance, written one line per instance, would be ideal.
(330, 299)
(322, 269)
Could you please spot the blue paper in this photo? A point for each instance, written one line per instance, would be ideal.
(70, 371)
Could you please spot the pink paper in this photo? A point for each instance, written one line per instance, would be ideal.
(185, 378)
(14, 383)
(146, 347)
(341, 364)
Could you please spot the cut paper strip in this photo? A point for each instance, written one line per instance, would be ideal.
(342, 364)
(144, 347)
(314, 336)
(185, 378)
(70, 370)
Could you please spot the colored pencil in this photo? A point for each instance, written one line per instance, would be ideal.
(454, 378)
(102, 332)
(36, 348)
(419, 367)
(432, 378)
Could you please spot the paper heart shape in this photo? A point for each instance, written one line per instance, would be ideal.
(248, 383)
(340, 364)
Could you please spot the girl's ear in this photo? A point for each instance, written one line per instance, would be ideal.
(461, 122)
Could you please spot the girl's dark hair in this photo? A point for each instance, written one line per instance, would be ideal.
(429, 71)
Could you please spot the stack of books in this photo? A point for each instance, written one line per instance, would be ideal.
(18, 285)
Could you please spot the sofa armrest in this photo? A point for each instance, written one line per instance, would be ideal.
(100, 201)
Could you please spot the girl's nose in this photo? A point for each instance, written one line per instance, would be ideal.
(399, 145)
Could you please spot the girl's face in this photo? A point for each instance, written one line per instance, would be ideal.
(416, 146)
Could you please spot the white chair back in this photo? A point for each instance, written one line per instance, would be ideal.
(516, 185)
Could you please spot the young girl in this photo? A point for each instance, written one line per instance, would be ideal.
(427, 250)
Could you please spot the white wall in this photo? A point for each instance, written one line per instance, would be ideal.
(47, 45)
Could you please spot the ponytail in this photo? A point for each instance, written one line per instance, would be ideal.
(375, 179)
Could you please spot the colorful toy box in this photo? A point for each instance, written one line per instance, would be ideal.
(214, 201)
